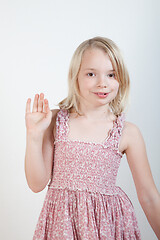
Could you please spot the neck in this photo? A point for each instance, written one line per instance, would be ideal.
(96, 113)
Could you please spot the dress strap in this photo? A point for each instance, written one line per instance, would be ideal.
(61, 125)
(117, 132)
(119, 124)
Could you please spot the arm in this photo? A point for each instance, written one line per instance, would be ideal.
(148, 195)
(48, 143)
(39, 145)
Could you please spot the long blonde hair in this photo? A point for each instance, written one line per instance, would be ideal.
(118, 104)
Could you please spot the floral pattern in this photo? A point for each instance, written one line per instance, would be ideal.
(83, 201)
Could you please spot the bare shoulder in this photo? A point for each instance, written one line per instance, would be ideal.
(54, 113)
(131, 135)
(131, 129)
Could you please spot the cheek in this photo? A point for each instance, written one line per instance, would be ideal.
(84, 84)
(115, 86)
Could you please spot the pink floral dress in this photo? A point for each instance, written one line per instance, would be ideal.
(82, 201)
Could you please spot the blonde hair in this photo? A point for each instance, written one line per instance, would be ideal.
(118, 104)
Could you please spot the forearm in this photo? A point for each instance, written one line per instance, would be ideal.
(151, 209)
(35, 168)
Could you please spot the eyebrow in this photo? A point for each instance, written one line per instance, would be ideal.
(86, 69)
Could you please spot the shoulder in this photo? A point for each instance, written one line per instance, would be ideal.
(132, 135)
(131, 129)
(54, 113)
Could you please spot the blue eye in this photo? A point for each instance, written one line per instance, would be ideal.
(90, 74)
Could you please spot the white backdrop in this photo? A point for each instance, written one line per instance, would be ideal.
(37, 40)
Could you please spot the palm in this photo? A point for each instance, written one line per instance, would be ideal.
(40, 117)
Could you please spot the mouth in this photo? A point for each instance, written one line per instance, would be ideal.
(101, 93)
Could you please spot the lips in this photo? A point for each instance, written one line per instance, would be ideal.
(101, 94)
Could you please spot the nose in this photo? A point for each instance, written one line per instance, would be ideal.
(102, 82)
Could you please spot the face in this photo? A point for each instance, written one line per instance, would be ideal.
(96, 79)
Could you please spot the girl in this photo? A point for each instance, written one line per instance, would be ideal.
(79, 149)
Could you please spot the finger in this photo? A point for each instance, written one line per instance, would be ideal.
(28, 105)
(46, 106)
(40, 103)
(35, 103)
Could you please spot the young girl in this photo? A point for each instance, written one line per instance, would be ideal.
(79, 149)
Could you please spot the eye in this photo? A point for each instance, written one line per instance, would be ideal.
(90, 74)
(112, 75)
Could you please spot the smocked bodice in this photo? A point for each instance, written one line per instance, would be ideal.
(86, 166)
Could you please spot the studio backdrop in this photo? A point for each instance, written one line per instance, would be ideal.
(37, 41)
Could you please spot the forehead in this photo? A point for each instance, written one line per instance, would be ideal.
(95, 58)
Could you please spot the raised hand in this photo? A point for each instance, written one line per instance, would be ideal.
(40, 118)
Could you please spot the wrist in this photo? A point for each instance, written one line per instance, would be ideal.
(34, 135)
